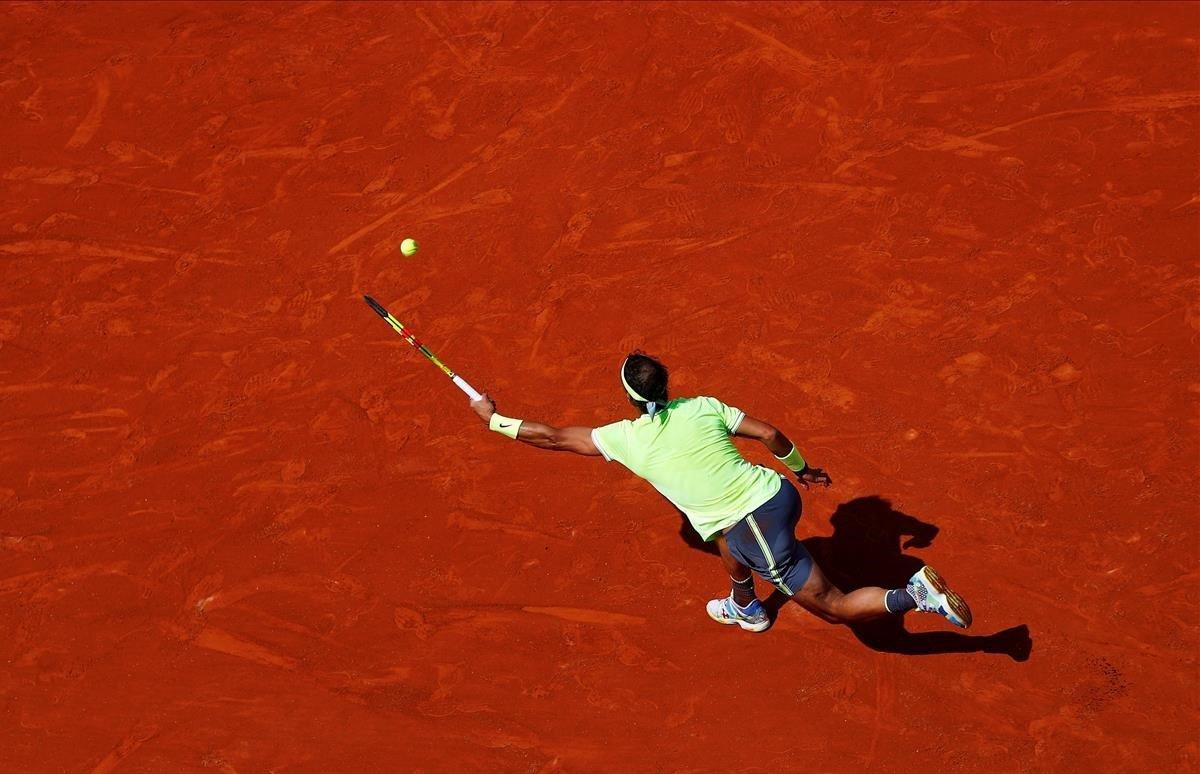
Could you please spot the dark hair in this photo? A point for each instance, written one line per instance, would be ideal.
(648, 377)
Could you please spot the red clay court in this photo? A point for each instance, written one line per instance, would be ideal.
(951, 249)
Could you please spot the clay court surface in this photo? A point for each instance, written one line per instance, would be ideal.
(951, 249)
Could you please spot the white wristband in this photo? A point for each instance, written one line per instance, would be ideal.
(505, 425)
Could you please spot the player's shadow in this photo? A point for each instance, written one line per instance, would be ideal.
(867, 549)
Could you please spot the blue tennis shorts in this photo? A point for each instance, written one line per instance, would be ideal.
(765, 541)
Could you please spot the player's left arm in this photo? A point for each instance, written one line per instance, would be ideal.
(783, 449)
(572, 439)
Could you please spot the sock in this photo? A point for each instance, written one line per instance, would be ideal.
(743, 591)
(899, 601)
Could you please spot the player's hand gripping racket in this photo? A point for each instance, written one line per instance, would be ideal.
(411, 339)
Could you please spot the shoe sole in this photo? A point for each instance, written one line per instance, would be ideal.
(957, 604)
(762, 627)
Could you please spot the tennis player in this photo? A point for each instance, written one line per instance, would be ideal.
(683, 448)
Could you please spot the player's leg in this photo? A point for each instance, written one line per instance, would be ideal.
(741, 607)
(766, 541)
(926, 591)
(745, 545)
(823, 599)
(741, 580)
(792, 570)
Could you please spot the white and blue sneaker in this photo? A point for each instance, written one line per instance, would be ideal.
(933, 595)
(752, 618)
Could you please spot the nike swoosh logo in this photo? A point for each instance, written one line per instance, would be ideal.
(504, 425)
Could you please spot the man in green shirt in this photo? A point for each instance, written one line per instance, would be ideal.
(682, 447)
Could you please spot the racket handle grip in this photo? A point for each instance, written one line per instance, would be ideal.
(461, 383)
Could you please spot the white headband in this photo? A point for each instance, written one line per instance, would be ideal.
(632, 392)
(651, 406)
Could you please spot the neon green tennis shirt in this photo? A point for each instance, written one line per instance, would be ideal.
(685, 453)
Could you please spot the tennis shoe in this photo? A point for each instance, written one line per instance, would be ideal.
(933, 595)
(752, 618)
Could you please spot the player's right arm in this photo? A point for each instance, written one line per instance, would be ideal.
(783, 449)
(572, 439)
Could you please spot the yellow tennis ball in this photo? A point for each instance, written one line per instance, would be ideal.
(409, 247)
